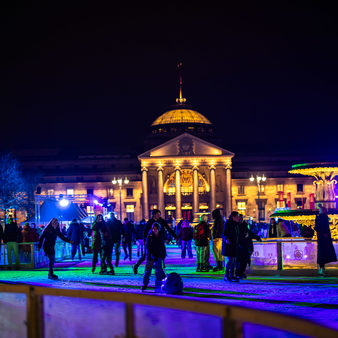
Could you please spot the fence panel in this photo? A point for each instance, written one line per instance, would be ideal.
(13, 315)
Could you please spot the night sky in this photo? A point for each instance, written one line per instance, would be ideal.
(98, 76)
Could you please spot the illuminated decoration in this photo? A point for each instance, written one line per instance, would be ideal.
(324, 174)
(187, 186)
(186, 206)
(170, 207)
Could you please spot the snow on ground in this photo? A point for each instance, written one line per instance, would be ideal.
(314, 298)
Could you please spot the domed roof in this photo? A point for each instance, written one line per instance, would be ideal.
(181, 115)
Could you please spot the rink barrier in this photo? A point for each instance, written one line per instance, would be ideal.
(62, 251)
(233, 317)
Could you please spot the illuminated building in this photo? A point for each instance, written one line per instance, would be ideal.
(183, 172)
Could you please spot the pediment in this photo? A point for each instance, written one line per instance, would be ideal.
(185, 145)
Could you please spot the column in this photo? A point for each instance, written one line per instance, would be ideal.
(178, 193)
(212, 188)
(228, 192)
(195, 206)
(145, 193)
(160, 191)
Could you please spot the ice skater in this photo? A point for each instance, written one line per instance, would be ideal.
(155, 254)
(47, 240)
(156, 218)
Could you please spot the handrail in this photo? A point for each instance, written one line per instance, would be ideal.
(233, 316)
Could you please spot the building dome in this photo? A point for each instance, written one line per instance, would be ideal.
(181, 115)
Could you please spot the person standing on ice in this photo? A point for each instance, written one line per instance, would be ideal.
(47, 240)
(186, 235)
(230, 245)
(245, 246)
(155, 254)
(97, 227)
(156, 218)
(217, 239)
(325, 250)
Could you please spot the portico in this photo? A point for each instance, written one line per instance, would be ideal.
(185, 174)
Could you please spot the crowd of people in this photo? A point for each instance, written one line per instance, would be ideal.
(231, 238)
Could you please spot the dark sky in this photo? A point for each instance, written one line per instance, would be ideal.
(97, 75)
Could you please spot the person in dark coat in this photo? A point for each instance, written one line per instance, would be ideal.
(127, 238)
(47, 241)
(97, 244)
(155, 253)
(177, 231)
(156, 217)
(230, 241)
(116, 229)
(107, 250)
(272, 228)
(12, 236)
(325, 250)
(217, 230)
(245, 246)
(87, 233)
(139, 233)
(186, 235)
(201, 236)
(75, 234)
(28, 235)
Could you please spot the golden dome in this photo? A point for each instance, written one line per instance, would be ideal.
(181, 115)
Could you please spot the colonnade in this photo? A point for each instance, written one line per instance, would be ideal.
(178, 199)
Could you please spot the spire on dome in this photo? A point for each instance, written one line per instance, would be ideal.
(181, 99)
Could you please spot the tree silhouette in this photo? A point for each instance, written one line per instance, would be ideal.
(12, 185)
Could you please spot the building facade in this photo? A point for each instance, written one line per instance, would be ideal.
(183, 172)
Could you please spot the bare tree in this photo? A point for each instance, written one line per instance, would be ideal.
(31, 181)
(12, 185)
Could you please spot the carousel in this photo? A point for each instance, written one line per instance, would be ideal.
(324, 180)
(301, 252)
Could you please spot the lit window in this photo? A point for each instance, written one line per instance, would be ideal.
(70, 192)
(130, 208)
(241, 206)
(280, 187)
(50, 192)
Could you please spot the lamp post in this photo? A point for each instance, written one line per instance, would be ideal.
(259, 179)
(120, 182)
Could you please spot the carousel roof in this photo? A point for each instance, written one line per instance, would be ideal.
(312, 169)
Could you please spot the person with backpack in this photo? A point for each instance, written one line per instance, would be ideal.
(186, 236)
(201, 236)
